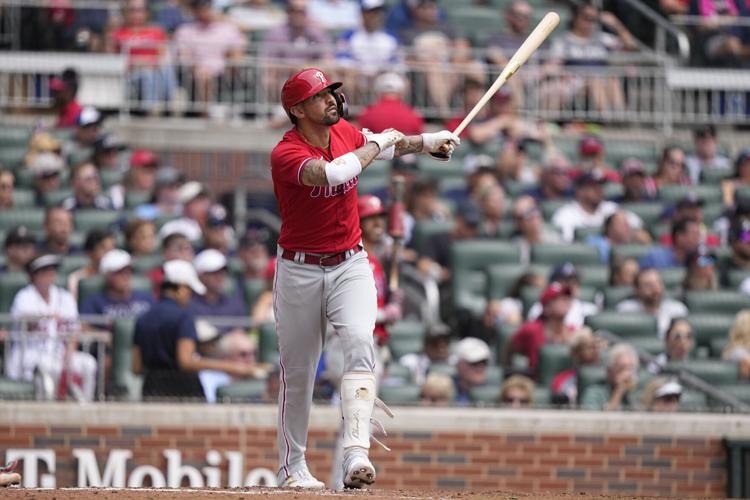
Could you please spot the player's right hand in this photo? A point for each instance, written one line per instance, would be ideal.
(386, 138)
(437, 142)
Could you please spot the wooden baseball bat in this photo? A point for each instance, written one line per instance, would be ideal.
(548, 23)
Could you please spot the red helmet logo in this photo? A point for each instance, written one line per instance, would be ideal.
(303, 85)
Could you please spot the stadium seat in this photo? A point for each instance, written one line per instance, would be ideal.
(672, 193)
(650, 344)
(372, 183)
(672, 277)
(444, 368)
(485, 394)
(478, 254)
(553, 358)
(494, 374)
(12, 157)
(110, 177)
(10, 284)
(502, 277)
(693, 401)
(122, 343)
(423, 231)
(54, 198)
(553, 254)
(14, 137)
(408, 329)
(135, 198)
(398, 372)
(589, 376)
(649, 212)
(72, 263)
(253, 288)
(708, 327)
(630, 251)
(15, 390)
(542, 397)
(407, 394)
(268, 344)
(404, 345)
(739, 391)
(33, 218)
(716, 175)
(86, 220)
(617, 150)
(146, 263)
(549, 207)
(95, 284)
(613, 295)
(470, 291)
(623, 325)
(475, 20)
(247, 391)
(594, 275)
(716, 301)
(736, 277)
(582, 233)
(23, 198)
(711, 371)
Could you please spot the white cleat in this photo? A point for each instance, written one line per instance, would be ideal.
(302, 479)
(358, 470)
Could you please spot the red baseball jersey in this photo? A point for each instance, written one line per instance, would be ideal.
(316, 219)
(381, 334)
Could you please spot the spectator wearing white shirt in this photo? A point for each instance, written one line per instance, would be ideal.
(50, 314)
(589, 209)
(706, 156)
(334, 14)
(369, 49)
(649, 299)
(567, 275)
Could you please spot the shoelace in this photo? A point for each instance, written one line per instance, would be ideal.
(10, 466)
(376, 423)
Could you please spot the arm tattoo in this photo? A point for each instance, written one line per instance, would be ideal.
(314, 171)
(411, 144)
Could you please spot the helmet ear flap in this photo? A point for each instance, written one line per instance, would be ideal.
(341, 105)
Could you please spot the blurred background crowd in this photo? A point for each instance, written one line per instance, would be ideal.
(550, 263)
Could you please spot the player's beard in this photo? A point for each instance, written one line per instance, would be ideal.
(331, 118)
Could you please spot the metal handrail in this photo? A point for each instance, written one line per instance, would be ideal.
(663, 27)
(685, 20)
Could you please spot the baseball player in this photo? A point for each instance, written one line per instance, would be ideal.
(322, 272)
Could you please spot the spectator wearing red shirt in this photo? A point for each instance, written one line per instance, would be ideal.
(389, 111)
(548, 328)
(64, 89)
(150, 76)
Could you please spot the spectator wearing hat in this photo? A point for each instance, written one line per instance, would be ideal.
(585, 350)
(589, 209)
(549, 327)
(141, 177)
(662, 395)
(436, 350)
(140, 237)
(88, 125)
(686, 237)
(87, 190)
(616, 231)
(217, 233)
(166, 200)
(118, 299)
(19, 248)
(209, 46)
(679, 343)
(634, 184)
(701, 271)
(529, 228)
(58, 228)
(554, 181)
(165, 340)
(46, 169)
(7, 182)
(622, 378)
(371, 50)
(517, 392)
(740, 179)
(195, 202)
(389, 111)
(437, 390)
(51, 313)
(706, 155)
(107, 151)
(64, 89)
(591, 159)
(737, 349)
(690, 207)
(235, 346)
(174, 246)
(473, 357)
(649, 299)
(211, 266)
(299, 41)
(98, 243)
(567, 275)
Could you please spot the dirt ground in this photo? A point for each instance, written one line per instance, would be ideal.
(250, 493)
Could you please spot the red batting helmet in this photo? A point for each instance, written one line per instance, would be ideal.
(370, 205)
(304, 84)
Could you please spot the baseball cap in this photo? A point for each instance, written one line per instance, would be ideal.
(217, 216)
(89, 116)
(370, 205)
(564, 271)
(593, 177)
(691, 199)
(19, 235)
(632, 166)
(206, 331)
(114, 260)
(438, 330)
(553, 291)
(46, 163)
(109, 142)
(671, 388)
(590, 145)
(389, 83)
(57, 84)
(167, 176)
(254, 237)
(472, 163)
(181, 272)
(42, 262)
(210, 261)
(472, 350)
(143, 158)
(372, 4)
(190, 191)
(469, 213)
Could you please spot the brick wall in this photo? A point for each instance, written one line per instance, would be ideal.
(623, 462)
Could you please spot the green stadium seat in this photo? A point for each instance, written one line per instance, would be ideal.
(716, 301)
(649, 212)
(568, 146)
(408, 329)
(613, 295)
(438, 169)
(12, 157)
(424, 230)
(502, 277)
(494, 374)
(716, 175)
(247, 391)
(33, 218)
(15, 390)
(10, 284)
(594, 276)
(630, 251)
(86, 220)
(485, 394)
(23, 198)
(549, 207)
(739, 391)
(671, 194)
(444, 368)
(476, 255)
(145, 263)
(79, 155)
(716, 347)
(623, 325)
(553, 358)
(736, 277)
(650, 344)
(110, 176)
(135, 198)
(72, 263)
(617, 150)
(515, 188)
(693, 401)
(404, 345)
(470, 291)
(123, 330)
(95, 284)
(712, 212)
(477, 21)
(553, 254)
(582, 233)
(589, 376)
(14, 137)
(24, 178)
(407, 394)
(253, 289)
(371, 183)
(672, 277)
(54, 198)
(709, 326)
(399, 372)
(542, 397)
(711, 371)
(268, 344)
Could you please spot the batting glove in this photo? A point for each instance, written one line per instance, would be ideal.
(386, 139)
(433, 142)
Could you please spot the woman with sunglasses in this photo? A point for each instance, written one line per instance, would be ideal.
(678, 344)
(701, 271)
